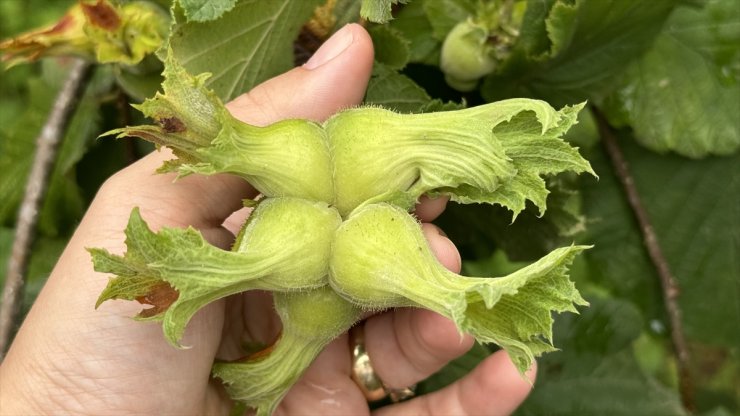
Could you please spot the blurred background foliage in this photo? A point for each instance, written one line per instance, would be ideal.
(666, 74)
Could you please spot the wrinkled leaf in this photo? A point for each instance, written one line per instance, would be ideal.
(391, 48)
(206, 10)
(378, 11)
(389, 89)
(693, 207)
(684, 94)
(590, 42)
(241, 55)
(596, 371)
(443, 15)
(413, 24)
(63, 203)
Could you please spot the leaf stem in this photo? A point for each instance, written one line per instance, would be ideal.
(668, 282)
(124, 113)
(47, 144)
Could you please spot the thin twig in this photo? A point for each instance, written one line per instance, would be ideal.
(47, 144)
(668, 282)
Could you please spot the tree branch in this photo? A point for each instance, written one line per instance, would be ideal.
(668, 282)
(47, 144)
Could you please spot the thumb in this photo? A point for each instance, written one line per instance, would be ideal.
(334, 78)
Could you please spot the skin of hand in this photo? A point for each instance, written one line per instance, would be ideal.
(68, 358)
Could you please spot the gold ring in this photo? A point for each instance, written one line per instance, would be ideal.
(364, 375)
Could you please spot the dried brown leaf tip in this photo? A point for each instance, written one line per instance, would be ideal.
(101, 14)
(172, 124)
(160, 296)
(65, 37)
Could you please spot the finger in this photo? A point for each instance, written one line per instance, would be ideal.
(408, 345)
(493, 388)
(326, 388)
(200, 201)
(430, 208)
(442, 247)
(333, 79)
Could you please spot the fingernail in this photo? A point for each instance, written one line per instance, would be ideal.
(332, 48)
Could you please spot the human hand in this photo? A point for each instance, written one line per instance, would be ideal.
(69, 358)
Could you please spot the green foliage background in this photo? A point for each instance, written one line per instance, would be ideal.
(665, 72)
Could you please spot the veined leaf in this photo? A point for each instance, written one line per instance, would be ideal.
(443, 15)
(391, 48)
(414, 25)
(241, 55)
(395, 91)
(206, 10)
(684, 94)
(693, 207)
(590, 42)
(596, 371)
(378, 11)
(63, 201)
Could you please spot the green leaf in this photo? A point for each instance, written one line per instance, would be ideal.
(443, 15)
(245, 46)
(478, 229)
(693, 208)
(590, 42)
(389, 89)
(346, 12)
(596, 372)
(413, 24)
(378, 11)
(206, 10)
(607, 391)
(682, 95)
(391, 48)
(63, 203)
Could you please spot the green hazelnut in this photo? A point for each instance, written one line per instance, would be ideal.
(466, 56)
(284, 246)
